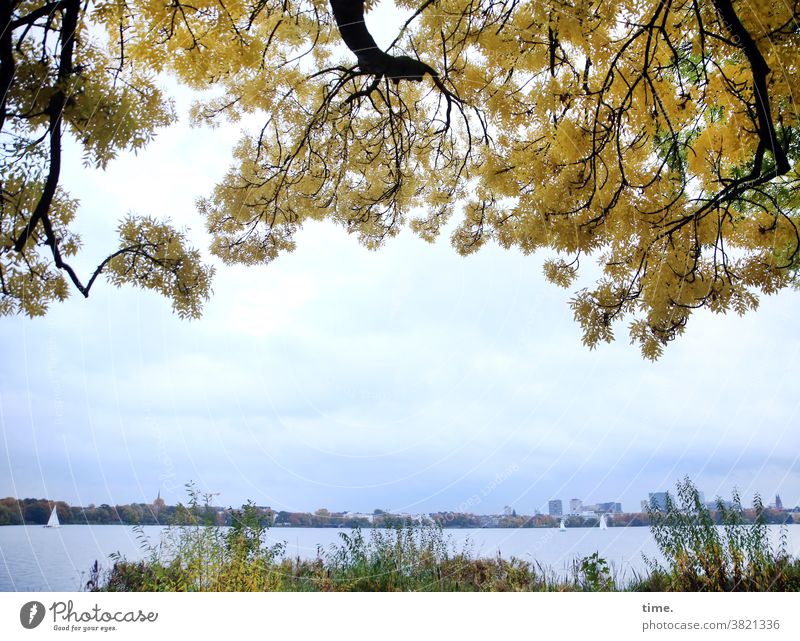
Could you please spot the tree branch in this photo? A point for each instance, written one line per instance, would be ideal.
(33, 16)
(349, 17)
(760, 71)
(7, 64)
(55, 109)
(415, 15)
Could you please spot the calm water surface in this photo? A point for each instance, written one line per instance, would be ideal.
(34, 558)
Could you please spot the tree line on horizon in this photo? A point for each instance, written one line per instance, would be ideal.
(31, 511)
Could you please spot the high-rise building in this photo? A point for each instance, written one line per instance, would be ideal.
(778, 502)
(575, 506)
(555, 507)
(658, 500)
(609, 507)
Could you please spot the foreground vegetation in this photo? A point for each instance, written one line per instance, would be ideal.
(697, 555)
(703, 557)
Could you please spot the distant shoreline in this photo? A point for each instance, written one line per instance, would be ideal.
(37, 512)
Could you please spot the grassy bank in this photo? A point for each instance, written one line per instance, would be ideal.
(697, 555)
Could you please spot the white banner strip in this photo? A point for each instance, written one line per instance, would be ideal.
(39, 615)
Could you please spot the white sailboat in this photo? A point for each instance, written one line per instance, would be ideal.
(603, 524)
(53, 520)
(562, 527)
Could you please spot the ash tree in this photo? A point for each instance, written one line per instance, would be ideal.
(657, 138)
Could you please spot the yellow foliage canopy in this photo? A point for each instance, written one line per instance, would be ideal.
(659, 136)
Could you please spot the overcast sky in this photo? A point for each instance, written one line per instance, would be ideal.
(408, 379)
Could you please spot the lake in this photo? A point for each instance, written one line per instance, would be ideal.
(34, 558)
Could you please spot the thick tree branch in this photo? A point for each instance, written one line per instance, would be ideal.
(760, 71)
(33, 16)
(349, 16)
(71, 10)
(768, 138)
(7, 64)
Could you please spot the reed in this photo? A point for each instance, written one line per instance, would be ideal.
(717, 552)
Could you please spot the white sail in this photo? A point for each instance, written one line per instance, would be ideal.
(562, 527)
(53, 521)
(603, 524)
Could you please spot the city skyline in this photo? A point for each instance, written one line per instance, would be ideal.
(546, 510)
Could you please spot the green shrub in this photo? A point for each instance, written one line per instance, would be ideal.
(704, 556)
